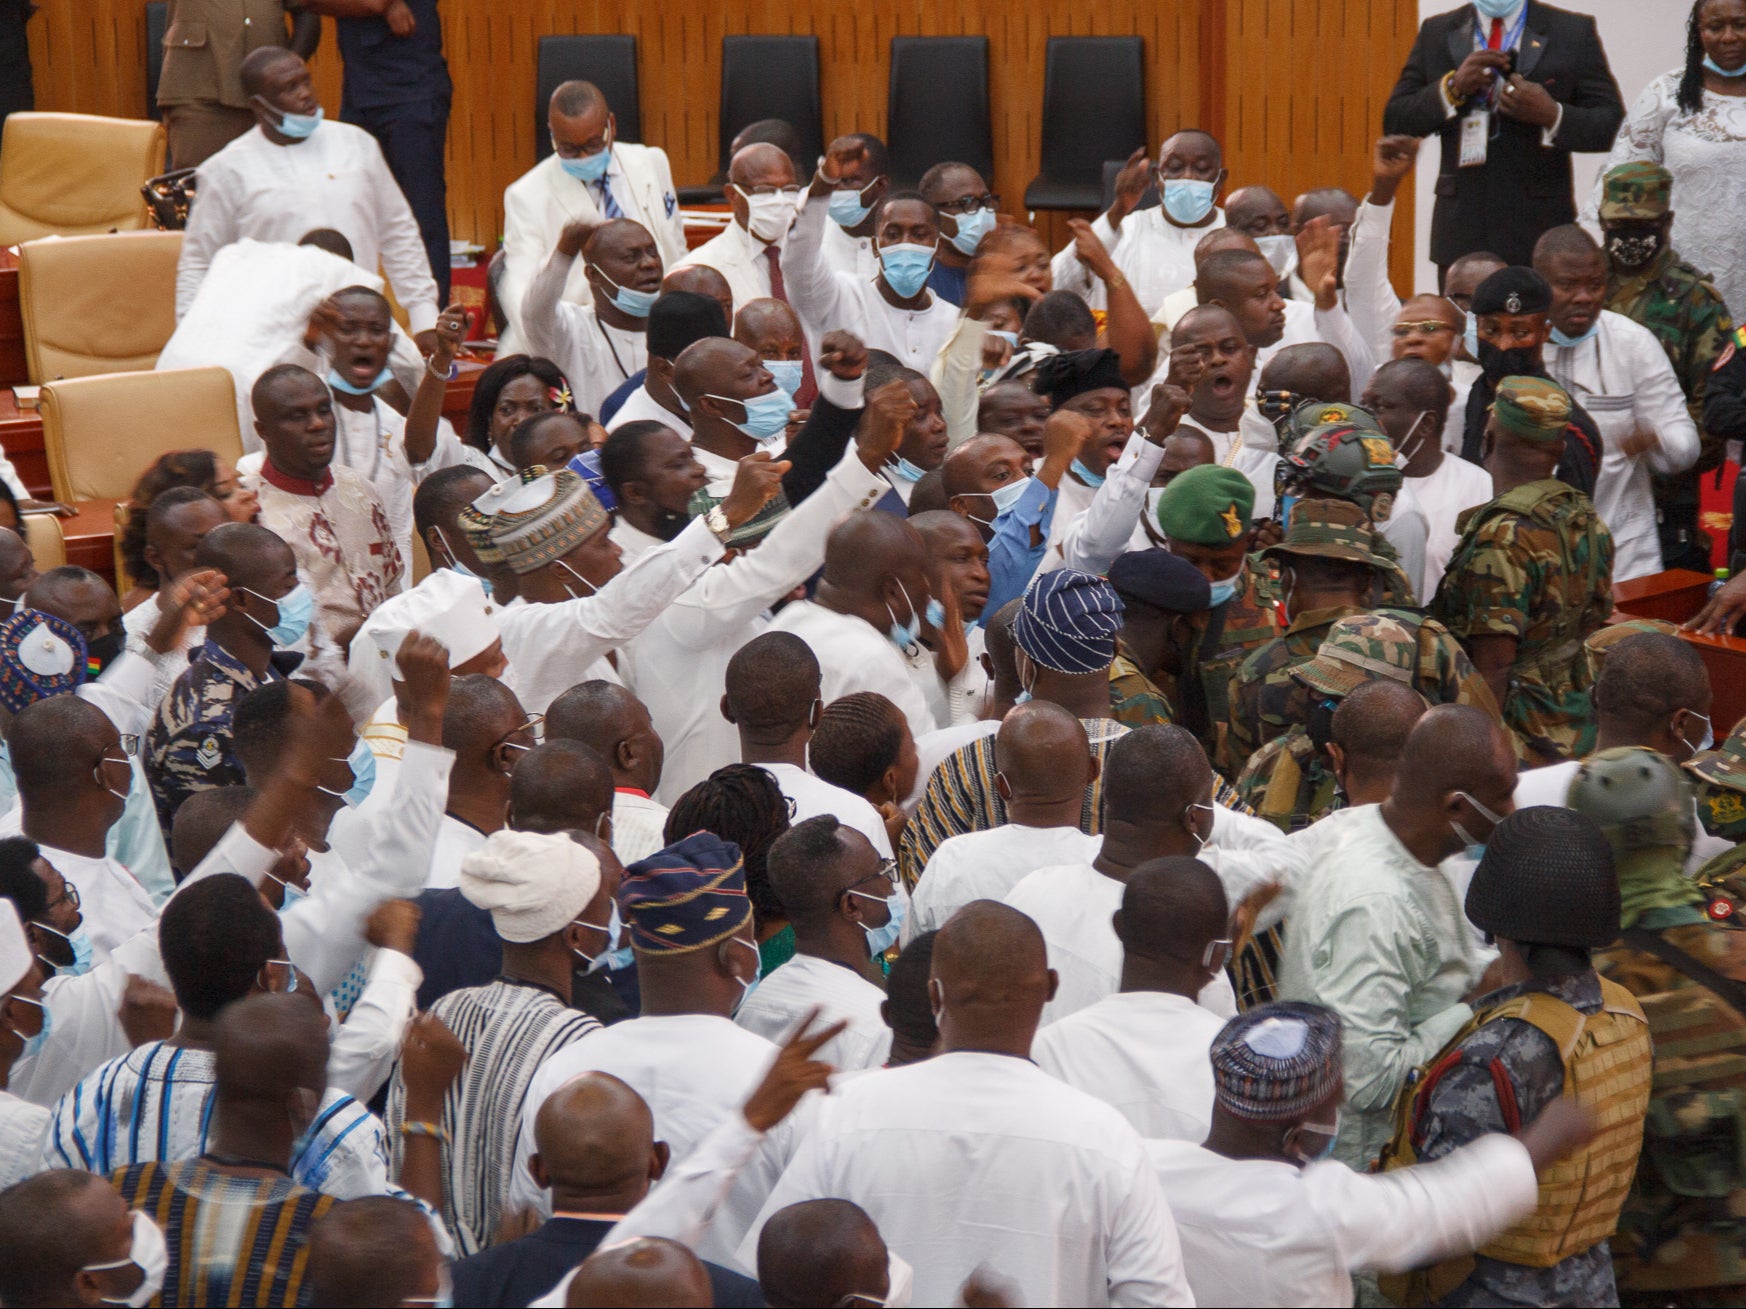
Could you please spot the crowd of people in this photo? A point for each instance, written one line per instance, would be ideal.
(888, 764)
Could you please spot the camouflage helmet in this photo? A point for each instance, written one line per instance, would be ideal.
(1596, 648)
(1638, 799)
(1307, 415)
(1345, 460)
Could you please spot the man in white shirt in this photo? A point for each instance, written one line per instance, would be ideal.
(846, 911)
(1221, 403)
(1143, 1050)
(895, 311)
(294, 172)
(772, 697)
(589, 177)
(177, 521)
(1154, 248)
(772, 329)
(1074, 904)
(736, 406)
(1616, 370)
(868, 613)
(22, 1125)
(602, 344)
(976, 1156)
(1264, 1219)
(861, 184)
(488, 730)
(1045, 766)
(1410, 399)
(764, 196)
(1377, 932)
(677, 320)
(617, 726)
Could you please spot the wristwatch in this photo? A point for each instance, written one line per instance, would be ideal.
(717, 522)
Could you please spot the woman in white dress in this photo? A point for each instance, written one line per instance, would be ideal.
(1692, 121)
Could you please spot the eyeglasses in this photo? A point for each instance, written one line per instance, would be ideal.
(533, 724)
(1429, 325)
(887, 872)
(290, 973)
(128, 745)
(793, 809)
(1217, 954)
(969, 204)
(69, 895)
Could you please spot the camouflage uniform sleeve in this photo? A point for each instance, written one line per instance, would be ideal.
(1243, 706)
(1710, 331)
(1444, 664)
(1487, 590)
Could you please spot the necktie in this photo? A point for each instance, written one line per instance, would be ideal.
(609, 206)
(808, 392)
(1496, 41)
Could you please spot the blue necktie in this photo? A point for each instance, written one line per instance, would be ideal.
(610, 205)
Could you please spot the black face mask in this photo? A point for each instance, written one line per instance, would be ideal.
(668, 525)
(1499, 364)
(103, 651)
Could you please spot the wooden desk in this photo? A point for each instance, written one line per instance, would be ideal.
(1675, 596)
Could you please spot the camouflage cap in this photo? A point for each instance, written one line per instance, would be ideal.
(1532, 408)
(1724, 766)
(1207, 505)
(1640, 189)
(1330, 529)
(1603, 639)
(1359, 648)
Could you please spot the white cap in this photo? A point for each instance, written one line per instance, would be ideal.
(447, 606)
(533, 884)
(15, 953)
(44, 653)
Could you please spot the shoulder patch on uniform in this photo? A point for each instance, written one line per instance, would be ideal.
(1723, 358)
(1740, 337)
(209, 756)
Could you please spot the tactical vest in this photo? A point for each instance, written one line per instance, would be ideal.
(1607, 1063)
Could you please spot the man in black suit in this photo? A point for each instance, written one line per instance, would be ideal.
(1513, 88)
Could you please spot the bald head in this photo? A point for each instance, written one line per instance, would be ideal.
(967, 466)
(1373, 722)
(1568, 241)
(865, 548)
(248, 554)
(760, 164)
(1043, 754)
(942, 530)
(821, 1252)
(701, 279)
(769, 328)
(55, 743)
(1314, 370)
(1453, 748)
(990, 974)
(594, 1134)
(598, 714)
(267, 1046)
(705, 367)
(1152, 774)
(813, 863)
(647, 1271)
(1223, 238)
(1325, 202)
(1645, 680)
(375, 1250)
(1205, 322)
(613, 239)
(1414, 383)
(1224, 273)
(479, 711)
(1467, 272)
(575, 98)
(1256, 210)
(558, 787)
(1171, 908)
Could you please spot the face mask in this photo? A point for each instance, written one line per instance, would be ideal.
(905, 267)
(1470, 337)
(1187, 201)
(1085, 475)
(296, 607)
(1225, 588)
(82, 952)
(1722, 812)
(149, 1254)
(292, 892)
(1709, 741)
(1495, 8)
(971, 229)
(905, 470)
(363, 765)
(746, 988)
(299, 127)
(1281, 253)
(881, 939)
(1011, 338)
(628, 300)
(339, 383)
(456, 565)
(1475, 849)
(789, 373)
(1632, 251)
(1719, 71)
(103, 651)
(1408, 447)
(766, 415)
(592, 589)
(1499, 364)
(846, 209)
(768, 217)
(34, 1043)
(905, 636)
(588, 168)
(1199, 840)
(1331, 1131)
(1005, 497)
(1560, 337)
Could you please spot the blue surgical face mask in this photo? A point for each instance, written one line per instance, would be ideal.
(291, 892)
(1331, 1132)
(1286, 504)
(1011, 338)
(971, 229)
(766, 415)
(34, 1043)
(881, 939)
(1224, 589)
(1187, 200)
(905, 267)
(789, 373)
(588, 168)
(1085, 475)
(1470, 337)
(905, 636)
(746, 988)
(905, 470)
(456, 565)
(629, 300)
(1495, 8)
(82, 951)
(296, 607)
(299, 127)
(1719, 71)
(363, 764)
(846, 209)
(339, 383)
(1565, 339)
(1005, 497)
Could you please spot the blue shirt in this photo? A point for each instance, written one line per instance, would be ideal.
(610, 406)
(383, 69)
(1012, 559)
(949, 283)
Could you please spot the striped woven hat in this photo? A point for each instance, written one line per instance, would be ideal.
(1069, 621)
(527, 521)
(687, 897)
(1275, 1062)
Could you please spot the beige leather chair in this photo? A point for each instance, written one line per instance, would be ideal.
(75, 174)
(101, 433)
(48, 546)
(97, 304)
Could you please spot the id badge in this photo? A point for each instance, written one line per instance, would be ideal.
(1475, 134)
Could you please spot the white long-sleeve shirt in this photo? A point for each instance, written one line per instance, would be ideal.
(741, 260)
(596, 357)
(826, 300)
(1621, 376)
(1262, 1232)
(855, 656)
(1111, 524)
(805, 982)
(1153, 253)
(1371, 300)
(336, 178)
(970, 1159)
(987, 865)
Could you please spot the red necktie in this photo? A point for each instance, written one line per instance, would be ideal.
(808, 392)
(1496, 42)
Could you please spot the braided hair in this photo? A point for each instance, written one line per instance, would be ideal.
(1691, 85)
(858, 737)
(739, 803)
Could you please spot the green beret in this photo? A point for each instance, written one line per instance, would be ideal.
(1640, 189)
(1532, 408)
(1207, 505)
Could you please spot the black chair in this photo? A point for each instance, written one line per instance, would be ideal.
(1094, 108)
(771, 77)
(937, 106)
(1112, 169)
(157, 16)
(610, 62)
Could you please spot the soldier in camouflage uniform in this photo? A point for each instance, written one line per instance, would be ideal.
(1725, 420)
(1531, 577)
(1162, 597)
(1720, 779)
(1649, 283)
(1682, 953)
(1546, 891)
